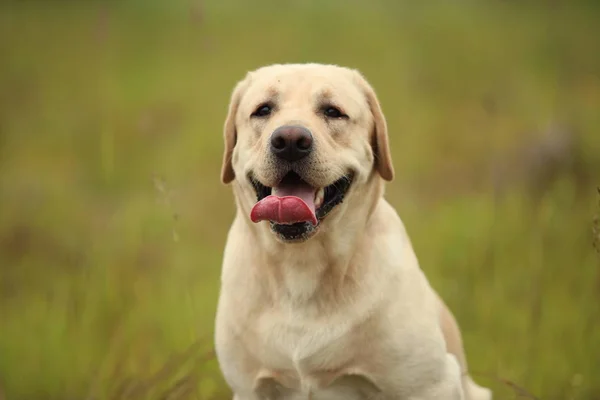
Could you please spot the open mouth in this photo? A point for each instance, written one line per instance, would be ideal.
(295, 208)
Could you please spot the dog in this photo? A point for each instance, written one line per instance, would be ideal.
(322, 296)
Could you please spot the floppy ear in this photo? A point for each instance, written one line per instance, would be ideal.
(230, 133)
(380, 141)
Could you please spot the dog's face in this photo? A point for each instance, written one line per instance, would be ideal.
(299, 138)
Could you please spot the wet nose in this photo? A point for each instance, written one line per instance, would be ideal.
(291, 142)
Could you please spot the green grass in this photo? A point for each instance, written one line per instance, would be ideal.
(113, 220)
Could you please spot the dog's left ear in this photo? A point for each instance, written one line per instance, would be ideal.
(380, 140)
(230, 132)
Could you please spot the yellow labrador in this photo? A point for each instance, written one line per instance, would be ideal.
(322, 296)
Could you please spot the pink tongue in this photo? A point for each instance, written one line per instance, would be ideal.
(287, 205)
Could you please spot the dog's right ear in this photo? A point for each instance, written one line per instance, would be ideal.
(230, 132)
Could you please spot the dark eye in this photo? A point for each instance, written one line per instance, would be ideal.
(333, 112)
(263, 110)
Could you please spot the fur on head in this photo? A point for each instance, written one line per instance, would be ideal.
(349, 157)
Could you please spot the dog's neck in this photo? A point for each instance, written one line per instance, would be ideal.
(323, 269)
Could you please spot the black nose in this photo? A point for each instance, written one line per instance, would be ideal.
(291, 142)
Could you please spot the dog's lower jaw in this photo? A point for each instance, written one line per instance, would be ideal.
(295, 233)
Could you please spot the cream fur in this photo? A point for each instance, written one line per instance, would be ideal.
(348, 313)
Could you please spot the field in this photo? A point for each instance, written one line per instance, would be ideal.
(113, 218)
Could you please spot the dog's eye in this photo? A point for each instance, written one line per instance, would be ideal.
(333, 112)
(263, 110)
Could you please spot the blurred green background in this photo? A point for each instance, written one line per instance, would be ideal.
(113, 218)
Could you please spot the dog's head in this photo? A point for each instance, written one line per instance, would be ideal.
(300, 139)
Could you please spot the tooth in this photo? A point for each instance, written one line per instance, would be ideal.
(319, 195)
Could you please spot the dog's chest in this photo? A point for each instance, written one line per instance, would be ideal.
(286, 356)
(303, 358)
(303, 344)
